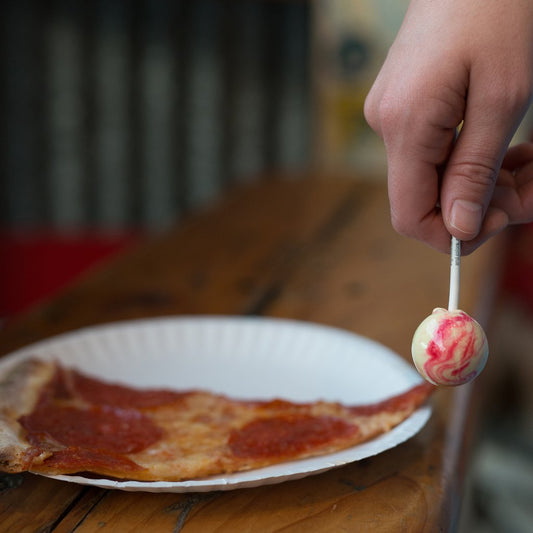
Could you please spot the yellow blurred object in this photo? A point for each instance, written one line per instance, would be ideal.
(350, 42)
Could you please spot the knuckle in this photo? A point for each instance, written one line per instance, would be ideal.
(369, 111)
(387, 112)
(478, 172)
(390, 112)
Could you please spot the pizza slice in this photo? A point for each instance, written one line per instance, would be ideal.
(56, 420)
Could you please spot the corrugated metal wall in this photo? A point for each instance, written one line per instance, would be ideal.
(119, 113)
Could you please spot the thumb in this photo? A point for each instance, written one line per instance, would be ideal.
(472, 170)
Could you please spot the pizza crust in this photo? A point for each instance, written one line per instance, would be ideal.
(19, 392)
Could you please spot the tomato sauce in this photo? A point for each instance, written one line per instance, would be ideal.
(285, 436)
(87, 423)
(97, 427)
(98, 393)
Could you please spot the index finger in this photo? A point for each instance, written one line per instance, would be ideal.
(414, 202)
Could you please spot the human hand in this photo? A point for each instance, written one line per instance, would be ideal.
(466, 63)
(513, 193)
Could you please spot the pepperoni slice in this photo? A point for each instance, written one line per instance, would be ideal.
(285, 436)
(108, 428)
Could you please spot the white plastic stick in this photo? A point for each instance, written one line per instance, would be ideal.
(455, 274)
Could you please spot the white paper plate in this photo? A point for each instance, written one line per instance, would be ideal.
(244, 358)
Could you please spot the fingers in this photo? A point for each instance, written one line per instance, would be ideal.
(416, 118)
(453, 62)
(518, 156)
(418, 133)
(512, 199)
(414, 205)
(469, 180)
(474, 164)
(513, 193)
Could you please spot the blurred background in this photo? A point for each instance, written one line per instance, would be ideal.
(120, 117)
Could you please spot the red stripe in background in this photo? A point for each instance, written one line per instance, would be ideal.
(36, 264)
(518, 272)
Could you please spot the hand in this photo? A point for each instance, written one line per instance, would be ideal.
(466, 63)
(513, 193)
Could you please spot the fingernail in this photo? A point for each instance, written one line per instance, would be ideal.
(466, 217)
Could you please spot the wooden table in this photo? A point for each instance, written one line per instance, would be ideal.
(319, 250)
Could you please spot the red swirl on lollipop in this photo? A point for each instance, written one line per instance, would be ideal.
(449, 347)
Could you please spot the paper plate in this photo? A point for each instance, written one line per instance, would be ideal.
(251, 358)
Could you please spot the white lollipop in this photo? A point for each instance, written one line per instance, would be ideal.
(449, 347)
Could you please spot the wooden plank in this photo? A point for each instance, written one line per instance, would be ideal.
(363, 271)
(325, 504)
(357, 270)
(88, 498)
(226, 260)
(30, 503)
(321, 251)
(137, 511)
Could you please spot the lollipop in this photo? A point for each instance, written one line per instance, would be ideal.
(450, 347)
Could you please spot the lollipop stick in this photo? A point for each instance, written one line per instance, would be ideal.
(455, 274)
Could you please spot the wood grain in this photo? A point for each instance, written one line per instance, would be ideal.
(313, 249)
